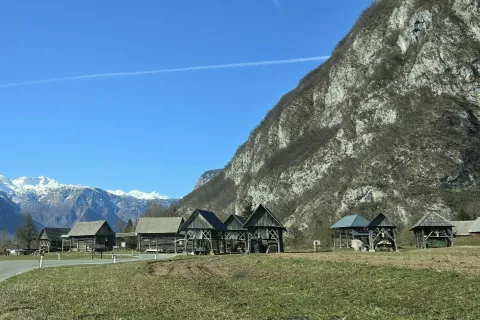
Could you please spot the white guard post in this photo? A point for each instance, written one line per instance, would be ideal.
(316, 243)
(41, 260)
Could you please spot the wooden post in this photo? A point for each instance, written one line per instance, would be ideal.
(450, 234)
(224, 243)
(278, 240)
(394, 240)
(424, 241)
(175, 244)
(370, 236)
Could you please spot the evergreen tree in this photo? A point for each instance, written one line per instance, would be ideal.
(463, 215)
(247, 210)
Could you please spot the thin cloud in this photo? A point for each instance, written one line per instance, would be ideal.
(276, 3)
(140, 73)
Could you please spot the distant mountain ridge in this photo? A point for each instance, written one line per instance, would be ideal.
(60, 205)
(9, 213)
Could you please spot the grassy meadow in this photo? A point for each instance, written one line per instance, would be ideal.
(339, 285)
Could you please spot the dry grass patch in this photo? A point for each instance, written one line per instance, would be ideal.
(465, 260)
(332, 286)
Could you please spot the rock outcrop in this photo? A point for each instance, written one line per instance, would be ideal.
(389, 123)
(205, 177)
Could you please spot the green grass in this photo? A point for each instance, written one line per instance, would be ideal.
(333, 286)
(63, 256)
(466, 241)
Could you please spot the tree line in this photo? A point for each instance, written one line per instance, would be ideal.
(25, 235)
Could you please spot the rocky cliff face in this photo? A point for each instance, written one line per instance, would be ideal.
(205, 177)
(389, 123)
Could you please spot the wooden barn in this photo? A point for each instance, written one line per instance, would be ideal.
(462, 228)
(475, 228)
(466, 228)
(85, 236)
(50, 239)
(382, 234)
(204, 233)
(264, 231)
(433, 231)
(236, 236)
(349, 228)
(158, 234)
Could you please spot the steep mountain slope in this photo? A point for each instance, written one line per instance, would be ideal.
(389, 123)
(206, 176)
(58, 205)
(10, 216)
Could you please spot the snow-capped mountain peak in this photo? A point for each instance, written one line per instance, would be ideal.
(41, 185)
(36, 184)
(5, 184)
(55, 204)
(139, 194)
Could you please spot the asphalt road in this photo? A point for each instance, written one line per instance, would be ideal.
(13, 267)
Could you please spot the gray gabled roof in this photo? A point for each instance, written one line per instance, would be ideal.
(158, 225)
(381, 221)
(87, 228)
(462, 228)
(235, 222)
(351, 221)
(264, 218)
(208, 220)
(432, 219)
(475, 227)
(53, 234)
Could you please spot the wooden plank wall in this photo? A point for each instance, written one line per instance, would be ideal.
(163, 244)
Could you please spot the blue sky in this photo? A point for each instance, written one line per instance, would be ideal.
(151, 132)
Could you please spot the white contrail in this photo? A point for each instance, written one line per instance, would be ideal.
(139, 73)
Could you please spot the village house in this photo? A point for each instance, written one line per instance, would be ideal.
(264, 231)
(349, 228)
(236, 236)
(160, 234)
(466, 228)
(85, 236)
(433, 231)
(382, 234)
(50, 239)
(204, 233)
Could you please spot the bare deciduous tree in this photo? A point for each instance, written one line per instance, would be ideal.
(27, 232)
